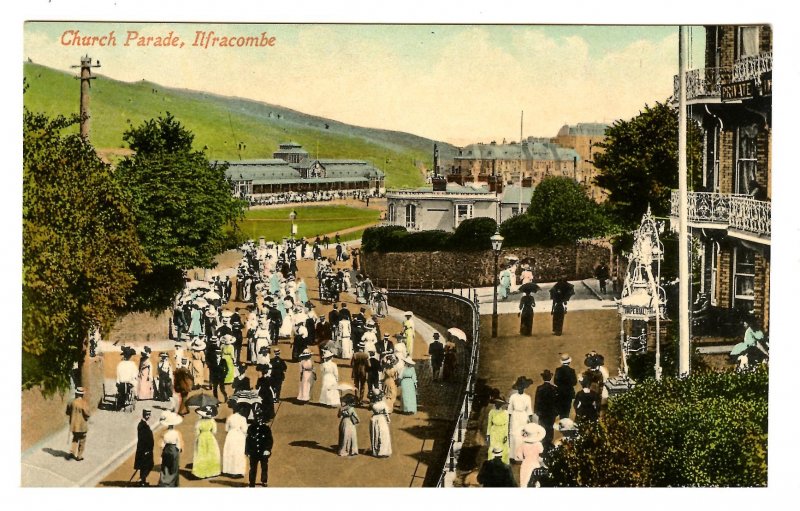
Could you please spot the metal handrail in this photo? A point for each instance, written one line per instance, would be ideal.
(467, 393)
(736, 211)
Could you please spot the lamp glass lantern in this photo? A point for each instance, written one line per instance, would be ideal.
(497, 242)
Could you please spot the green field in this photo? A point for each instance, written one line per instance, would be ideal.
(221, 124)
(274, 224)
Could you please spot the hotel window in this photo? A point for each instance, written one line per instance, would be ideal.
(463, 212)
(744, 263)
(411, 216)
(746, 158)
(391, 213)
(747, 41)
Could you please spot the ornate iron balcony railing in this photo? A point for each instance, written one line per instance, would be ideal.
(738, 212)
(749, 68)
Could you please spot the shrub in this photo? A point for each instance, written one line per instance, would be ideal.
(423, 241)
(473, 234)
(376, 239)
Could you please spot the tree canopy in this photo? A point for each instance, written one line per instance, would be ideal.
(181, 202)
(639, 164)
(560, 212)
(79, 245)
(709, 429)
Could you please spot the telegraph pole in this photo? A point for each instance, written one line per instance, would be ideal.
(683, 228)
(86, 77)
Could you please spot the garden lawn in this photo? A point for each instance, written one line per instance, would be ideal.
(274, 224)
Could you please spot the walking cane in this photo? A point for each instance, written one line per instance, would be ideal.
(132, 475)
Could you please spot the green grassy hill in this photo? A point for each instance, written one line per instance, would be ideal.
(221, 124)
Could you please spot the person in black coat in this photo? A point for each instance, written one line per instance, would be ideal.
(258, 447)
(275, 321)
(344, 313)
(384, 345)
(278, 374)
(242, 381)
(237, 326)
(265, 392)
(217, 370)
(373, 371)
(144, 449)
(586, 402)
(436, 352)
(496, 474)
(546, 407)
(565, 380)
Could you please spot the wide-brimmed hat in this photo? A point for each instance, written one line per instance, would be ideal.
(146, 351)
(408, 313)
(207, 412)
(594, 359)
(533, 432)
(163, 354)
(327, 354)
(565, 424)
(499, 400)
(211, 312)
(228, 339)
(277, 352)
(170, 418)
(565, 359)
(79, 391)
(497, 451)
(127, 352)
(306, 353)
(348, 400)
(408, 361)
(198, 344)
(522, 383)
(226, 314)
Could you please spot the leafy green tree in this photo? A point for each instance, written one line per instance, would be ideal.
(79, 247)
(560, 212)
(709, 429)
(639, 164)
(182, 204)
(473, 234)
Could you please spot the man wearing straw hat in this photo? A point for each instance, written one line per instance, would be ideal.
(78, 413)
(496, 474)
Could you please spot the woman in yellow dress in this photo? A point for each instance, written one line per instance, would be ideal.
(207, 460)
(497, 428)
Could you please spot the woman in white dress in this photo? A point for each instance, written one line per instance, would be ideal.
(345, 340)
(234, 461)
(262, 341)
(329, 393)
(520, 411)
(400, 353)
(379, 433)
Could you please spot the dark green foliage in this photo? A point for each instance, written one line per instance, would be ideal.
(639, 165)
(642, 365)
(560, 212)
(379, 239)
(709, 429)
(182, 203)
(473, 234)
(422, 241)
(78, 248)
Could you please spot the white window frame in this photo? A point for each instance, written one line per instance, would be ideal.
(743, 34)
(737, 275)
(392, 213)
(411, 216)
(470, 211)
(742, 180)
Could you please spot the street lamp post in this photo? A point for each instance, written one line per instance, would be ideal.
(497, 244)
(292, 216)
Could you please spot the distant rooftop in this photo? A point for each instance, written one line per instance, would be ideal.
(593, 129)
(527, 150)
(479, 188)
(513, 194)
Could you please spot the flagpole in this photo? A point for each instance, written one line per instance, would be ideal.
(683, 234)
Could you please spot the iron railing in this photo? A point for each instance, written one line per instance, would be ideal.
(707, 82)
(469, 297)
(733, 211)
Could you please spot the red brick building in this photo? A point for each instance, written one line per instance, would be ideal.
(730, 217)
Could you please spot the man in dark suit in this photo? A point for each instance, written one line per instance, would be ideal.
(344, 313)
(275, 321)
(237, 326)
(384, 345)
(144, 449)
(496, 474)
(436, 353)
(565, 380)
(258, 447)
(278, 374)
(373, 372)
(360, 365)
(546, 407)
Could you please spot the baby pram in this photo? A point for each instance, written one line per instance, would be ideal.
(111, 399)
(329, 288)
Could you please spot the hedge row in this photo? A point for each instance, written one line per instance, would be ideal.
(471, 235)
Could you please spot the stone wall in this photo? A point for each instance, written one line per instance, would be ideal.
(476, 269)
(441, 309)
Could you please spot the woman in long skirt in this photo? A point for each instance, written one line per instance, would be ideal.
(302, 291)
(389, 387)
(520, 412)
(345, 331)
(206, 462)
(195, 325)
(228, 352)
(526, 305)
(529, 451)
(348, 435)
(307, 376)
(329, 393)
(379, 433)
(408, 387)
(171, 447)
(144, 388)
(234, 462)
(497, 429)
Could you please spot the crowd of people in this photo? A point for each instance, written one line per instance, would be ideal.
(320, 196)
(217, 340)
(521, 430)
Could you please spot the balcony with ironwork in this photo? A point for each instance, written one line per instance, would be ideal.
(740, 215)
(705, 85)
